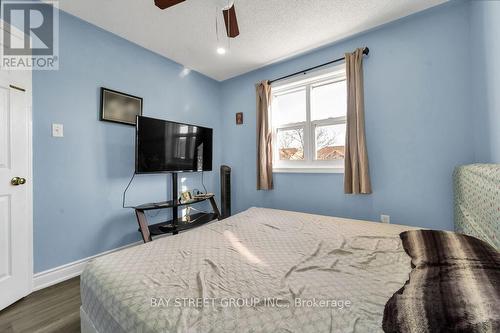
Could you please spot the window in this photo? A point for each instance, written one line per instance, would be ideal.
(308, 116)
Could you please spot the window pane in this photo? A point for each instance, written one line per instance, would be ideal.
(291, 144)
(330, 141)
(329, 101)
(289, 108)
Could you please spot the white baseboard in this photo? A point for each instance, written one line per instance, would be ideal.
(65, 272)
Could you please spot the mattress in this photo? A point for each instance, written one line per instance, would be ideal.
(262, 270)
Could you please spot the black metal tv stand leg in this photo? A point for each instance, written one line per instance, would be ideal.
(215, 208)
(175, 210)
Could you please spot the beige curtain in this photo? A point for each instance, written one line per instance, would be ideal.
(356, 173)
(264, 137)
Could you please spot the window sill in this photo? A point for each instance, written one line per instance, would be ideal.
(308, 170)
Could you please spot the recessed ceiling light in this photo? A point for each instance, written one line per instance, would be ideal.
(221, 50)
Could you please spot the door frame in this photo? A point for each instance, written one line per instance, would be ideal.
(28, 86)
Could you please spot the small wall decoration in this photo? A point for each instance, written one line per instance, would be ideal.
(239, 118)
(119, 107)
(186, 196)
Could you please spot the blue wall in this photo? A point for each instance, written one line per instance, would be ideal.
(431, 104)
(485, 29)
(79, 179)
(418, 124)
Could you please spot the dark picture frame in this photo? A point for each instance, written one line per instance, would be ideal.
(239, 118)
(119, 107)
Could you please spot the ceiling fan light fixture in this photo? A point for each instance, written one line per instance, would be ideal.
(225, 4)
(231, 22)
(221, 51)
(163, 4)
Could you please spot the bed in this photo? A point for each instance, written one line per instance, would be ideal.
(268, 270)
(262, 270)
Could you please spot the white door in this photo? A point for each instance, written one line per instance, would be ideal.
(16, 263)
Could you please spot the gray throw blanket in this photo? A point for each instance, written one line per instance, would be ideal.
(454, 285)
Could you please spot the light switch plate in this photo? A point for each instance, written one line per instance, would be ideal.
(385, 219)
(57, 130)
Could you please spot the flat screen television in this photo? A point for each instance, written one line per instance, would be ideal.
(167, 146)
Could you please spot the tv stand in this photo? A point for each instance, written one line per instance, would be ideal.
(176, 224)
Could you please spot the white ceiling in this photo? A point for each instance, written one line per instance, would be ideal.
(270, 30)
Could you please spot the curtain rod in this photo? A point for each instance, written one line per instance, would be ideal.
(366, 50)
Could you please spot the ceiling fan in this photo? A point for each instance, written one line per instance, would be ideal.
(228, 12)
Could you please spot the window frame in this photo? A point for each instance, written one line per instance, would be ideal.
(310, 164)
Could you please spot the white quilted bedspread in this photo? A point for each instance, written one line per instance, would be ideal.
(262, 270)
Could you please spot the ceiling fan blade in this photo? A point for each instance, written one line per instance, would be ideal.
(162, 4)
(231, 22)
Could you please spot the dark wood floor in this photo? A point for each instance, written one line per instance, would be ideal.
(53, 309)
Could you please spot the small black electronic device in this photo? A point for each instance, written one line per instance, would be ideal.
(225, 191)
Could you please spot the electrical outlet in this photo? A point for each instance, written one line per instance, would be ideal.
(385, 218)
(57, 130)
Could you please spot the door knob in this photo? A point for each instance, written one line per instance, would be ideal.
(18, 181)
